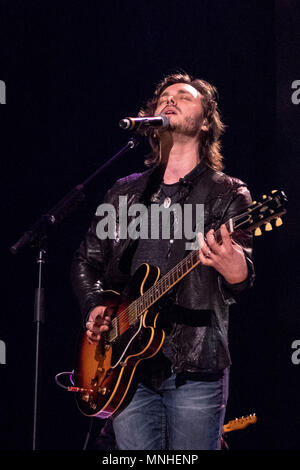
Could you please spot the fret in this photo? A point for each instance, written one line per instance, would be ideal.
(157, 292)
(171, 277)
(194, 255)
(132, 314)
(151, 297)
(179, 271)
(140, 304)
(175, 275)
(113, 333)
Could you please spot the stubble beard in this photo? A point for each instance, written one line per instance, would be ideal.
(189, 127)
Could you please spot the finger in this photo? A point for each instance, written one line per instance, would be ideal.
(89, 325)
(205, 249)
(205, 259)
(226, 238)
(92, 326)
(92, 337)
(211, 242)
(103, 328)
(201, 241)
(237, 246)
(98, 326)
(92, 334)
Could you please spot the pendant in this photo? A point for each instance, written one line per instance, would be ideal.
(167, 202)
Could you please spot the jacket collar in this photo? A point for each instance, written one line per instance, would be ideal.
(152, 178)
(191, 178)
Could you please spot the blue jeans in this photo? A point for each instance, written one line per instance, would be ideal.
(189, 417)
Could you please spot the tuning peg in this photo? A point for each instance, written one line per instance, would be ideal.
(268, 227)
(278, 222)
(264, 196)
(257, 232)
(274, 191)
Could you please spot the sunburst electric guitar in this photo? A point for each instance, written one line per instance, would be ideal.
(104, 373)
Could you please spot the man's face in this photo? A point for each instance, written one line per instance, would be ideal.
(182, 104)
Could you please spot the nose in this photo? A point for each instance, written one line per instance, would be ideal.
(171, 99)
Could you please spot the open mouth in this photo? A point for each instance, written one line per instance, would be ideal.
(169, 111)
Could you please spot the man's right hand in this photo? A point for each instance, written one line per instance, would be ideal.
(98, 322)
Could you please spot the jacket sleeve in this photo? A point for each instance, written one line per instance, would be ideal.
(239, 203)
(88, 268)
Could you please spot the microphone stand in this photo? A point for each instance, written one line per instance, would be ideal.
(37, 236)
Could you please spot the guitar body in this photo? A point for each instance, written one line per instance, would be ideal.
(105, 372)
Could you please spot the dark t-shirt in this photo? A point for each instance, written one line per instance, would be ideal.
(154, 251)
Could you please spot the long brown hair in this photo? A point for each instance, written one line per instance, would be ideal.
(209, 142)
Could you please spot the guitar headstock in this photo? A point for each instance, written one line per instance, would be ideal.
(240, 423)
(271, 207)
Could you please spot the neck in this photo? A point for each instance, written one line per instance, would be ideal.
(179, 157)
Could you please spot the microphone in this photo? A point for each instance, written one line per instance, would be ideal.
(131, 123)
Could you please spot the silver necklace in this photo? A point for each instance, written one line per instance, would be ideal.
(167, 202)
(168, 199)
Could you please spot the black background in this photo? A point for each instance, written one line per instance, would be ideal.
(72, 70)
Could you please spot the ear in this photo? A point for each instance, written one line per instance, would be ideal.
(204, 126)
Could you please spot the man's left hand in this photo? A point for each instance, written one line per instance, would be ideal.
(227, 257)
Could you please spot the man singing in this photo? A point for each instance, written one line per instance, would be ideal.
(181, 393)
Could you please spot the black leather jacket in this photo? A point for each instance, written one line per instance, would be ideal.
(197, 323)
